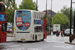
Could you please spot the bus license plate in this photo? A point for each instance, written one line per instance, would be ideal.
(22, 39)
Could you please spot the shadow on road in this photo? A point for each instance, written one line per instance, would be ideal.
(30, 41)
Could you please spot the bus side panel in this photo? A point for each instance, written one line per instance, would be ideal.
(3, 35)
(0, 33)
(3, 38)
(44, 25)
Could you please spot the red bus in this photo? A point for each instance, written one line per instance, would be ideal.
(3, 23)
(45, 28)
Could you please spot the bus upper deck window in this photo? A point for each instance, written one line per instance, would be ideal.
(2, 8)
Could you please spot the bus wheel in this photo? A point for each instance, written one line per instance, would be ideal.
(35, 37)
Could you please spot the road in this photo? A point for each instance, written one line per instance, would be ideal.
(51, 43)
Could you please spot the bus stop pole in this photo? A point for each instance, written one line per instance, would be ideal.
(46, 9)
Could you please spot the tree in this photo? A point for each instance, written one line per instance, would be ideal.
(28, 4)
(11, 7)
(61, 19)
(66, 11)
(7, 2)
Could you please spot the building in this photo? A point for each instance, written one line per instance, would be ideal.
(49, 13)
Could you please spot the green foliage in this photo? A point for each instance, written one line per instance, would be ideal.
(28, 4)
(60, 18)
(10, 15)
(66, 11)
(11, 7)
(8, 3)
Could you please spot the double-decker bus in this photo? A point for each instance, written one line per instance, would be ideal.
(28, 26)
(3, 23)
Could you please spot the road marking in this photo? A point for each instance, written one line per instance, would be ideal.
(65, 47)
(14, 45)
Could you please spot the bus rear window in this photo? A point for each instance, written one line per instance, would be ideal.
(2, 8)
(38, 29)
(4, 27)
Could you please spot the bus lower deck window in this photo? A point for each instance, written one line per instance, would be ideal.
(4, 27)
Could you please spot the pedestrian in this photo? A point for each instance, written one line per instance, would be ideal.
(57, 34)
(62, 33)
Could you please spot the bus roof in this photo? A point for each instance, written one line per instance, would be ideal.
(1, 3)
(24, 10)
(30, 10)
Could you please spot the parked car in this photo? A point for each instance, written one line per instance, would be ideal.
(67, 32)
(9, 27)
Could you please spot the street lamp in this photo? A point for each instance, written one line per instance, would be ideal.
(36, 4)
(50, 20)
(70, 16)
(51, 8)
(22, 4)
(46, 9)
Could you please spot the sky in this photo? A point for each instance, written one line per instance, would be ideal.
(57, 5)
